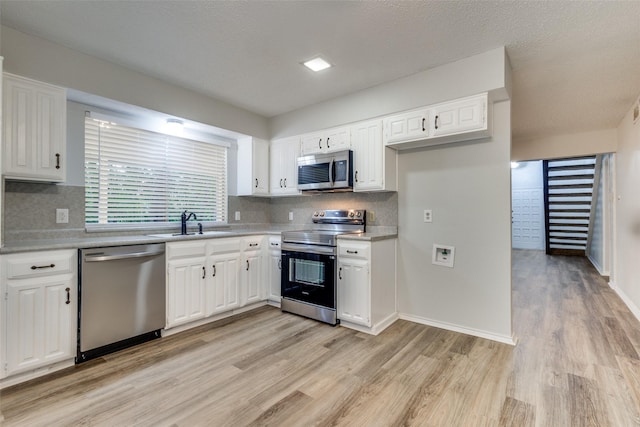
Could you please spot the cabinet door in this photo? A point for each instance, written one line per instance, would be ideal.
(406, 126)
(354, 295)
(40, 321)
(34, 130)
(313, 143)
(368, 153)
(464, 115)
(252, 265)
(260, 167)
(337, 139)
(223, 289)
(275, 270)
(284, 167)
(185, 291)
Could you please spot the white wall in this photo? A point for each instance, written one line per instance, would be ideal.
(568, 145)
(43, 60)
(467, 187)
(599, 251)
(626, 269)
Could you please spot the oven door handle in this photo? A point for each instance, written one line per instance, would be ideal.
(309, 249)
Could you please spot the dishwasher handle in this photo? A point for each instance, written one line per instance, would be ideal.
(122, 255)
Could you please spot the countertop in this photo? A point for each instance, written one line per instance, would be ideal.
(376, 233)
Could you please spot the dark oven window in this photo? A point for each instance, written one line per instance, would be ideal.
(309, 278)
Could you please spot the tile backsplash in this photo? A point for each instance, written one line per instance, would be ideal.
(30, 210)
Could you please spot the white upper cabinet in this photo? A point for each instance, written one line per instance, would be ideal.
(457, 117)
(325, 141)
(253, 167)
(406, 126)
(284, 167)
(463, 119)
(34, 122)
(375, 164)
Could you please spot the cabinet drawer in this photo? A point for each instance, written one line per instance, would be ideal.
(252, 243)
(220, 246)
(353, 249)
(185, 249)
(275, 243)
(35, 264)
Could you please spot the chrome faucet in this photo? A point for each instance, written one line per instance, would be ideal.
(184, 218)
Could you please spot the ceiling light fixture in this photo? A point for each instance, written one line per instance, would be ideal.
(316, 64)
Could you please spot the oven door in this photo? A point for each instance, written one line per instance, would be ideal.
(309, 274)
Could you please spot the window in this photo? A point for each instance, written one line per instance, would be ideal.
(139, 178)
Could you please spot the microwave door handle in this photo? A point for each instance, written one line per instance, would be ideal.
(332, 172)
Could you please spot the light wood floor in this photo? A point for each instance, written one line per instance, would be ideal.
(576, 363)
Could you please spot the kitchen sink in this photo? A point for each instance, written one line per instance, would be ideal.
(206, 233)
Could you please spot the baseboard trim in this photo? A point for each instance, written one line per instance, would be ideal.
(505, 339)
(35, 373)
(375, 329)
(597, 266)
(627, 301)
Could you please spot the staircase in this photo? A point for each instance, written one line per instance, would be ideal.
(568, 199)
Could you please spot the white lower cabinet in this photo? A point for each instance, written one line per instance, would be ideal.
(39, 310)
(223, 287)
(213, 276)
(185, 290)
(366, 284)
(252, 275)
(274, 292)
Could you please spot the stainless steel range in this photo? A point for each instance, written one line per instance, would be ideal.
(309, 271)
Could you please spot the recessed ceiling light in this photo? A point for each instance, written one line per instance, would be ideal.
(316, 64)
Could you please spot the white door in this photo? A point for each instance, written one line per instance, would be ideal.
(527, 225)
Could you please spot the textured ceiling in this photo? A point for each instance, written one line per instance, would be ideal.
(576, 64)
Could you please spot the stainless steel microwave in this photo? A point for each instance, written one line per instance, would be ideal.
(326, 171)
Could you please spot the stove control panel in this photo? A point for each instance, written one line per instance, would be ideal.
(338, 216)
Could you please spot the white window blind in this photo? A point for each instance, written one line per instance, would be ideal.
(135, 177)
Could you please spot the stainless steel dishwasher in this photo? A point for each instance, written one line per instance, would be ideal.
(121, 298)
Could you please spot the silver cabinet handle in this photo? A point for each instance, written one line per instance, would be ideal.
(38, 267)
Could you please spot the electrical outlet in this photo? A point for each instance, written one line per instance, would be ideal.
(290, 216)
(62, 216)
(237, 215)
(428, 215)
(371, 216)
